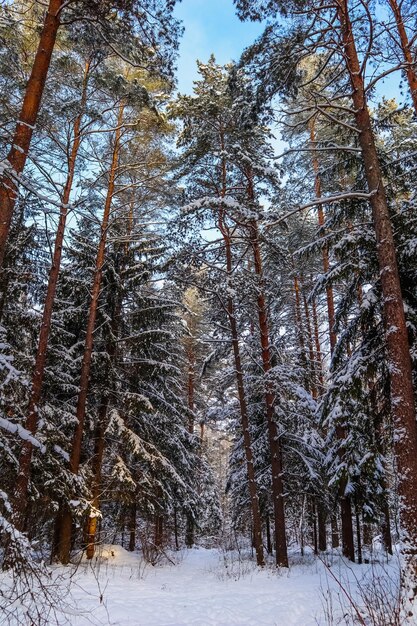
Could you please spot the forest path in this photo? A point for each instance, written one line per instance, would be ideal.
(206, 588)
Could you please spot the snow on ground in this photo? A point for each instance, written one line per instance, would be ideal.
(207, 588)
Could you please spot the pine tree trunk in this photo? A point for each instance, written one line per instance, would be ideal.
(335, 531)
(406, 50)
(274, 443)
(348, 544)
(191, 377)
(402, 393)
(159, 529)
(189, 530)
(386, 529)
(300, 330)
(96, 471)
(321, 523)
(325, 249)
(345, 503)
(177, 545)
(358, 534)
(132, 528)
(25, 458)
(268, 535)
(88, 346)
(319, 358)
(17, 156)
(244, 416)
(314, 526)
(313, 386)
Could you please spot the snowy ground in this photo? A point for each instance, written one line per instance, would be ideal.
(209, 588)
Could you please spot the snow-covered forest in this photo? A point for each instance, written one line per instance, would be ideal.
(208, 342)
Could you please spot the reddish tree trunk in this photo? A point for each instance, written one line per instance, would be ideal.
(300, 327)
(17, 156)
(65, 543)
(96, 470)
(406, 50)
(274, 443)
(25, 458)
(402, 393)
(244, 416)
(348, 547)
(319, 358)
(313, 386)
(325, 249)
(95, 293)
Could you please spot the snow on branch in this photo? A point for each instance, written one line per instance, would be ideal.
(362, 195)
(24, 434)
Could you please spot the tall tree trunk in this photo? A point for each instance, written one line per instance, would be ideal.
(132, 528)
(313, 510)
(325, 249)
(65, 543)
(159, 530)
(189, 531)
(96, 470)
(319, 358)
(244, 416)
(300, 330)
(358, 533)
(386, 529)
(268, 534)
(321, 524)
(312, 368)
(406, 50)
(402, 393)
(177, 545)
(25, 458)
(274, 443)
(335, 531)
(348, 547)
(18, 153)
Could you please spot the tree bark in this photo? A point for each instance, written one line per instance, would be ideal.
(96, 470)
(401, 384)
(319, 358)
(312, 368)
(335, 531)
(189, 531)
(386, 529)
(18, 153)
(244, 416)
(25, 458)
(358, 533)
(274, 443)
(313, 510)
(89, 340)
(348, 547)
(321, 524)
(300, 329)
(159, 530)
(132, 528)
(406, 50)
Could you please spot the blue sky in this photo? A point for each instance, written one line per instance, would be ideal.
(210, 26)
